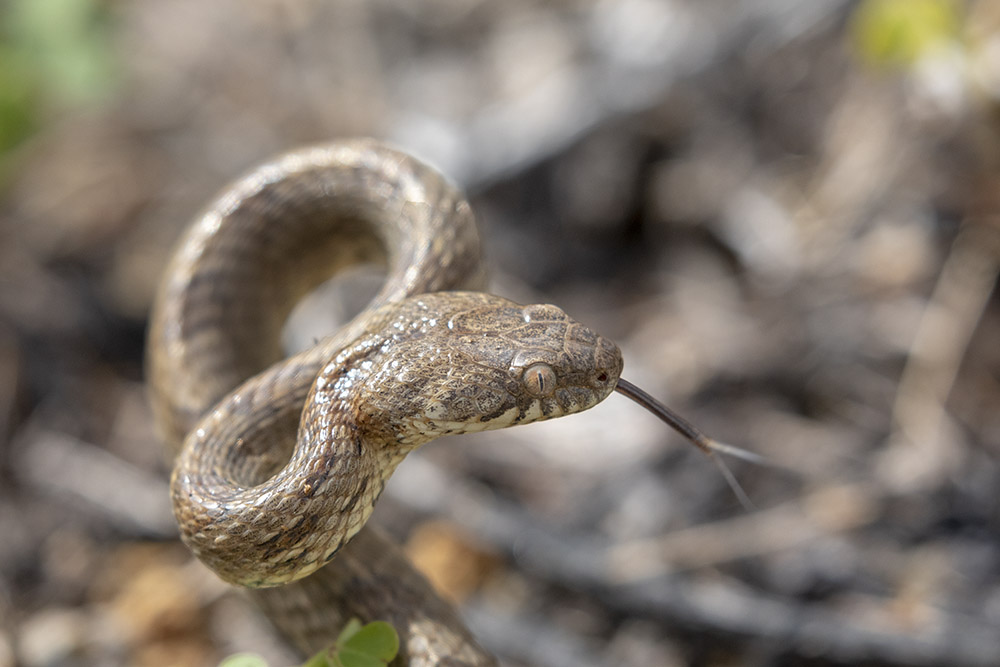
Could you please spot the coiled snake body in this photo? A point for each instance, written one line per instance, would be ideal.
(279, 461)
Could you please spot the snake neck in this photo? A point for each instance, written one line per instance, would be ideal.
(266, 501)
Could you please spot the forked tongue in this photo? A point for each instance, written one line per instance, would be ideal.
(691, 433)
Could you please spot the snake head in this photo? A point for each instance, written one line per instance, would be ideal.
(462, 362)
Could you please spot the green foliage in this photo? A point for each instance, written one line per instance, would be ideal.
(18, 99)
(900, 32)
(55, 51)
(243, 660)
(371, 645)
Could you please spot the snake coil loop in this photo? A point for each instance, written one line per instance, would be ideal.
(280, 461)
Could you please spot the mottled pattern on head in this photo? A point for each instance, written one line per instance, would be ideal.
(460, 362)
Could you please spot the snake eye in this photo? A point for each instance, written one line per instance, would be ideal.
(539, 379)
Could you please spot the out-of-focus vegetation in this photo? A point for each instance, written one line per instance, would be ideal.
(372, 645)
(53, 54)
(902, 31)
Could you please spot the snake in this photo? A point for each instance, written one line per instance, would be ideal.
(279, 460)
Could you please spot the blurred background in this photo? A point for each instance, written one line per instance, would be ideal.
(785, 212)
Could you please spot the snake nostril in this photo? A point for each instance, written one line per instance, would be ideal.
(603, 377)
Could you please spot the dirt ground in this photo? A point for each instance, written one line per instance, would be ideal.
(795, 246)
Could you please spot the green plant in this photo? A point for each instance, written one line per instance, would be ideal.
(900, 32)
(371, 645)
(55, 53)
(244, 660)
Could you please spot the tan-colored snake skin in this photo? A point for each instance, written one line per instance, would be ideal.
(279, 461)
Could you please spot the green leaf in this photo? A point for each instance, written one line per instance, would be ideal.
(244, 660)
(353, 659)
(68, 43)
(321, 659)
(372, 645)
(349, 631)
(18, 98)
(377, 639)
(899, 32)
